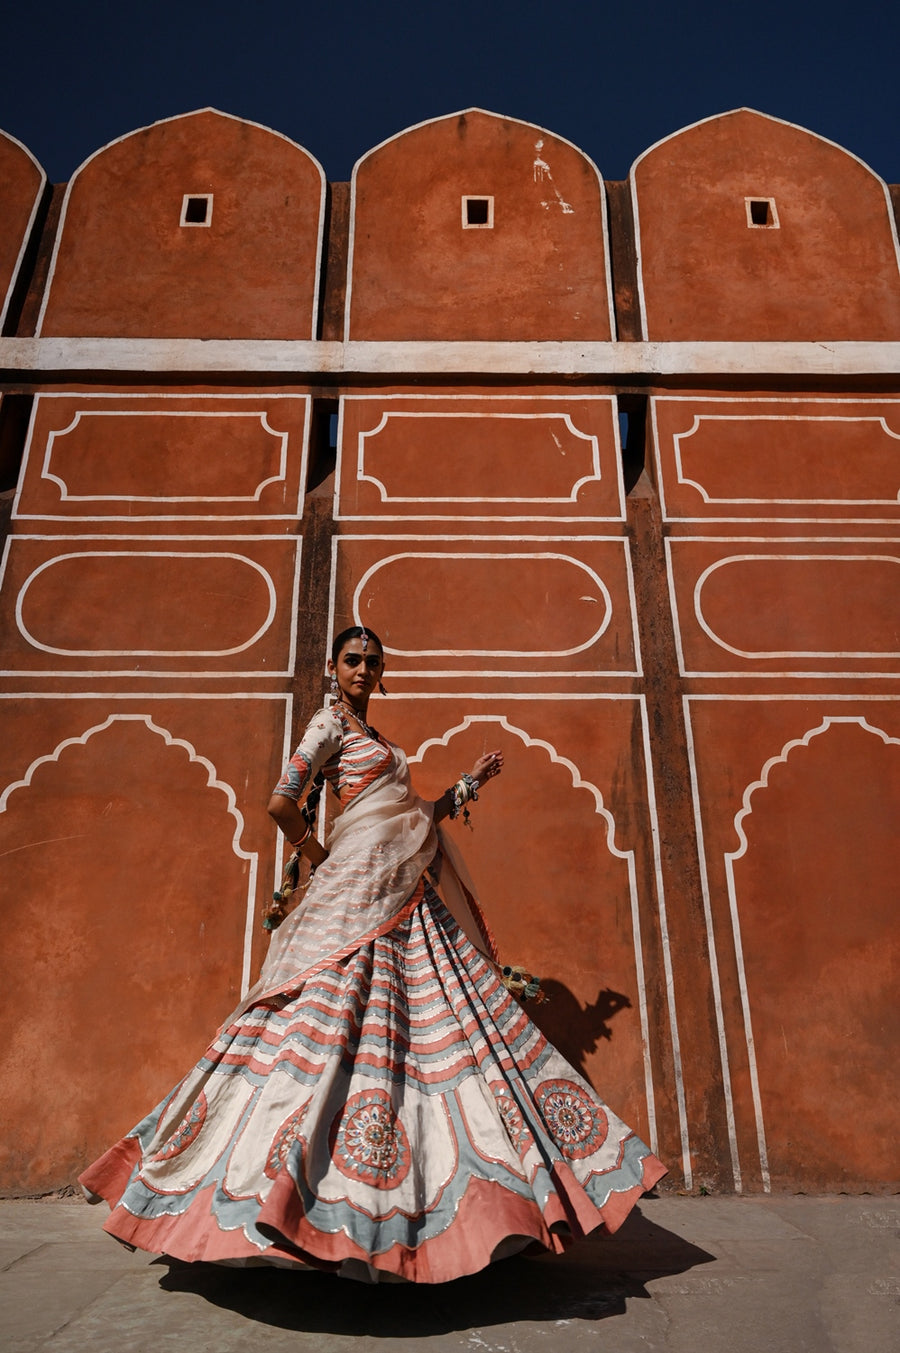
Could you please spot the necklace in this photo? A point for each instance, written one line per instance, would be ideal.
(366, 728)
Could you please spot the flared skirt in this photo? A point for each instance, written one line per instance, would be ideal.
(394, 1115)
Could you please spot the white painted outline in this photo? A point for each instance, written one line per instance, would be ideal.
(852, 401)
(790, 558)
(774, 224)
(295, 544)
(729, 859)
(197, 197)
(181, 117)
(487, 652)
(564, 418)
(477, 225)
(565, 541)
(609, 400)
(302, 468)
(628, 855)
(727, 1092)
(700, 418)
(145, 652)
(717, 117)
(67, 497)
(687, 1164)
(29, 227)
(773, 543)
(213, 782)
(499, 117)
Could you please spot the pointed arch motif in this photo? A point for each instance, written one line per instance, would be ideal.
(762, 782)
(212, 782)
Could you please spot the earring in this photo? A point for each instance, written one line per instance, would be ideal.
(381, 689)
(334, 689)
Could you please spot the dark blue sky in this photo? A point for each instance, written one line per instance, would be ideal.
(341, 76)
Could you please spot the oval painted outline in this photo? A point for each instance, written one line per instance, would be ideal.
(486, 652)
(145, 652)
(793, 652)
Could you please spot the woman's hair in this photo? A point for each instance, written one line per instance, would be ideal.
(354, 632)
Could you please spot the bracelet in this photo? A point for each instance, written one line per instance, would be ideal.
(296, 845)
(464, 791)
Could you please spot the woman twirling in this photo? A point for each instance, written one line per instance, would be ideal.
(379, 1105)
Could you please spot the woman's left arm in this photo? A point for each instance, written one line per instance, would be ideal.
(485, 768)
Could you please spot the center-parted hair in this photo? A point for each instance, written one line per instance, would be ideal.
(354, 632)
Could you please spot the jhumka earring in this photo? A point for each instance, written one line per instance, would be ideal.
(334, 689)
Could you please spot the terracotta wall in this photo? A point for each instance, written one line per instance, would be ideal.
(150, 631)
(692, 669)
(782, 557)
(532, 264)
(134, 258)
(22, 183)
(751, 228)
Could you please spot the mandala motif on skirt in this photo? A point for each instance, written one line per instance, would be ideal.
(186, 1131)
(369, 1143)
(575, 1122)
(513, 1121)
(284, 1139)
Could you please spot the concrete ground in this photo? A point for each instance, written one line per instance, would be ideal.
(684, 1275)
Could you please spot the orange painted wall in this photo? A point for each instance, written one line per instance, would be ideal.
(828, 271)
(21, 184)
(538, 272)
(692, 671)
(126, 267)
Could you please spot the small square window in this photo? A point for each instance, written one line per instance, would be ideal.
(196, 209)
(761, 213)
(478, 213)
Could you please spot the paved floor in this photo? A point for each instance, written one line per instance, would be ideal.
(684, 1275)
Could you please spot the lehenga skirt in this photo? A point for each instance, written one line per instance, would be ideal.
(394, 1115)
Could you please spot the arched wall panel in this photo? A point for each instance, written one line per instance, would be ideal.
(751, 228)
(534, 263)
(130, 262)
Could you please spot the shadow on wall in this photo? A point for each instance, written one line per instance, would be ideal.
(573, 1028)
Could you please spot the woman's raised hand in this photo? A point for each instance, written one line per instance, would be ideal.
(487, 766)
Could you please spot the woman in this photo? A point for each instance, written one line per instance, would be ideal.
(379, 1105)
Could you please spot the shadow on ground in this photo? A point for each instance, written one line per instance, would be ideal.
(591, 1282)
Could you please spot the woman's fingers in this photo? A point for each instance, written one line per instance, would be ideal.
(487, 766)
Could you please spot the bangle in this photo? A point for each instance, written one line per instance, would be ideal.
(303, 839)
(464, 791)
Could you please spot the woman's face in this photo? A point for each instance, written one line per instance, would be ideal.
(358, 672)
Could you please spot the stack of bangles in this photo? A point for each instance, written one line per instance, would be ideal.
(464, 791)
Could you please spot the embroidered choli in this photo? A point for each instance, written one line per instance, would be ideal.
(349, 759)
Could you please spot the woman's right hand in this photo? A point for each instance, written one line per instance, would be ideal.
(487, 766)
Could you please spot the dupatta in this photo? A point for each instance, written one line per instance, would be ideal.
(379, 849)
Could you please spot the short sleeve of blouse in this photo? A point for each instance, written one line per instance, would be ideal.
(321, 741)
